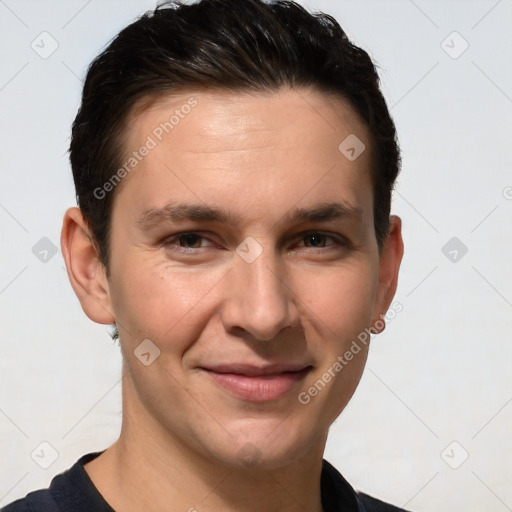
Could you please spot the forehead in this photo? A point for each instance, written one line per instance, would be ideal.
(249, 149)
(220, 119)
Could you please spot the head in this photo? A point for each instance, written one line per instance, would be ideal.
(234, 163)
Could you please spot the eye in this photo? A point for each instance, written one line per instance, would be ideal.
(193, 242)
(185, 242)
(189, 240)
(316, 239)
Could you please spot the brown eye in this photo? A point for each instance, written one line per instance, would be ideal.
(315, 239)
(190, 240)
(327, 241)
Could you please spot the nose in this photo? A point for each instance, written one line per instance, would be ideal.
(260, 300)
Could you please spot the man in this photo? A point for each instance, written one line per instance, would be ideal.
(233, 162)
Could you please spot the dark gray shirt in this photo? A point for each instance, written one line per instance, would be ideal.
(73, 491)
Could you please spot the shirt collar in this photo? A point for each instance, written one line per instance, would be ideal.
(74, 490)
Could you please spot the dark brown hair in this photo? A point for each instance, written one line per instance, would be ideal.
(232, 45)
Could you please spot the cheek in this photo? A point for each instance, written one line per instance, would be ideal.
(172, 305)
(339, 300)
(160, 302)
(340, 304)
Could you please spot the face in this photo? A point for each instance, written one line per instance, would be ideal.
(243, 247)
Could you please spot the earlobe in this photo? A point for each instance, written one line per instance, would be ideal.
(85, 271)
(389, 265)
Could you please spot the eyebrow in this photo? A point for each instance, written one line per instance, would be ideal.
(178, 212)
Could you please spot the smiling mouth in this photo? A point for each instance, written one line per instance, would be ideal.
(257, 384)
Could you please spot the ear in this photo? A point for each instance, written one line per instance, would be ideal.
(389, 264)
(85, 270)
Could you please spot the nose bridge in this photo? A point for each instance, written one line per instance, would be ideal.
(260, 301)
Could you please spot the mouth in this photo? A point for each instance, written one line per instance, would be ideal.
(258, 384)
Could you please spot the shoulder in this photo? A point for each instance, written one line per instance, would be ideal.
(338, 494)
(370, 504)
(35, 501)
(68, 491)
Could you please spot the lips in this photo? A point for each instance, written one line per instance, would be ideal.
(258, 383)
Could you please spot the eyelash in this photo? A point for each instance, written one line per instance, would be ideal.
(170, 242)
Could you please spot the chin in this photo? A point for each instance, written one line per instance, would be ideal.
(265, 446)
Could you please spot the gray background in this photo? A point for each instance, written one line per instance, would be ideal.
(437, 387)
